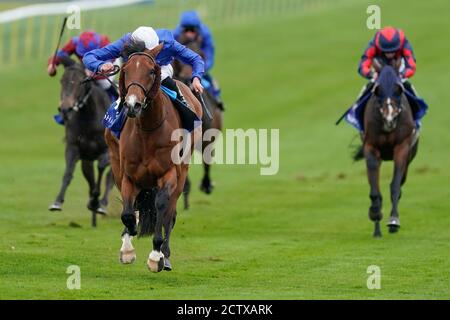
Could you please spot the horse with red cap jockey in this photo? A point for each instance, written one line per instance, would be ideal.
(387, 46)
(79, 46)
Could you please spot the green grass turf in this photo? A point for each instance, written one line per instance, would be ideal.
(303, 233)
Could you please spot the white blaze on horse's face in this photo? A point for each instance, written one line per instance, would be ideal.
(131, 100)
(389, 113)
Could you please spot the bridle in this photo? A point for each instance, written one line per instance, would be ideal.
(148, 99)
(81, 101)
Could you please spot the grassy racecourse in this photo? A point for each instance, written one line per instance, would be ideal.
(301, 234)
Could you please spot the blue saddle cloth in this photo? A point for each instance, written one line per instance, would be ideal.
(115, 120)
(355, 114)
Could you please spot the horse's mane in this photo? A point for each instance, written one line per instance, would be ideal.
(387, 80)
(133, 47)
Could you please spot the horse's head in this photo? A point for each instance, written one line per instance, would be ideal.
(140, 78)
(72, 87)
(388, 91)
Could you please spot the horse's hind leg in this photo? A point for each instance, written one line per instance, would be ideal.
(186, 192)
(206, 185)
(72, 157)
(88, 172)
(109, 184)
(401, 153)
(373, 163)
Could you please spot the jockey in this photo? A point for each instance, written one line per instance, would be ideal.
(98, 60)
(85, 42)
(192, 27)
(388, 44)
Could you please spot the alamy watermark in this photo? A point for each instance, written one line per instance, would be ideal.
(374, 280)
(235, 146)
(74, 279)
(373, 22)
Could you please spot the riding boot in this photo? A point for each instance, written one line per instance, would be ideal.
(171, 84)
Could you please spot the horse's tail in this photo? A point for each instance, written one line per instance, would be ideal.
(358, 154)
(145, 204)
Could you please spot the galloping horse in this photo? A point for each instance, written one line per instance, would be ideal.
(149, 180)
(390, 134)
(183, 72)
(82, 107)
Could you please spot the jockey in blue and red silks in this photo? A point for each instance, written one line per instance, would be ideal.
(193, 28)
(387, 45)
(79, 46)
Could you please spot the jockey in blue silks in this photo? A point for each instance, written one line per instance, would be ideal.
(97, 60)
(192, 27)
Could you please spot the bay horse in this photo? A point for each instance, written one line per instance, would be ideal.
(150, 182)
(390, 134)
(82, 107)
(183, 72)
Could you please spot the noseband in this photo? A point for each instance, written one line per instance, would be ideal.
(146, 91)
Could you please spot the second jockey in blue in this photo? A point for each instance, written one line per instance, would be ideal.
(97, 60)
(193, 29)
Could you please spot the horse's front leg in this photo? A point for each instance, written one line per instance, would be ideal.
(103, 162)
(164, 213)
(71, 156)
(373, 163)
(401, 153)
(129, 193)
(89, 174)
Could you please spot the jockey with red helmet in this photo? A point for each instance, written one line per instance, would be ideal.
(79, 46)
(388, 43)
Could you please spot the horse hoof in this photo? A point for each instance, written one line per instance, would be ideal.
(101, 210)
(55, 206)
(155, 261)
(127, 257)
(394, 225)
(167, 264)
(393, 229)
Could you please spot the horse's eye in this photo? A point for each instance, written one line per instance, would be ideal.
(152, 72)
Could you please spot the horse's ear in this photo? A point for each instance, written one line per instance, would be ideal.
(399, 89)
(66, 61)
(156, 50)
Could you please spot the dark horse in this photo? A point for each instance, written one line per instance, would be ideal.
(82, 107)
(149, 180)
(183, 72)
(390, 134)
